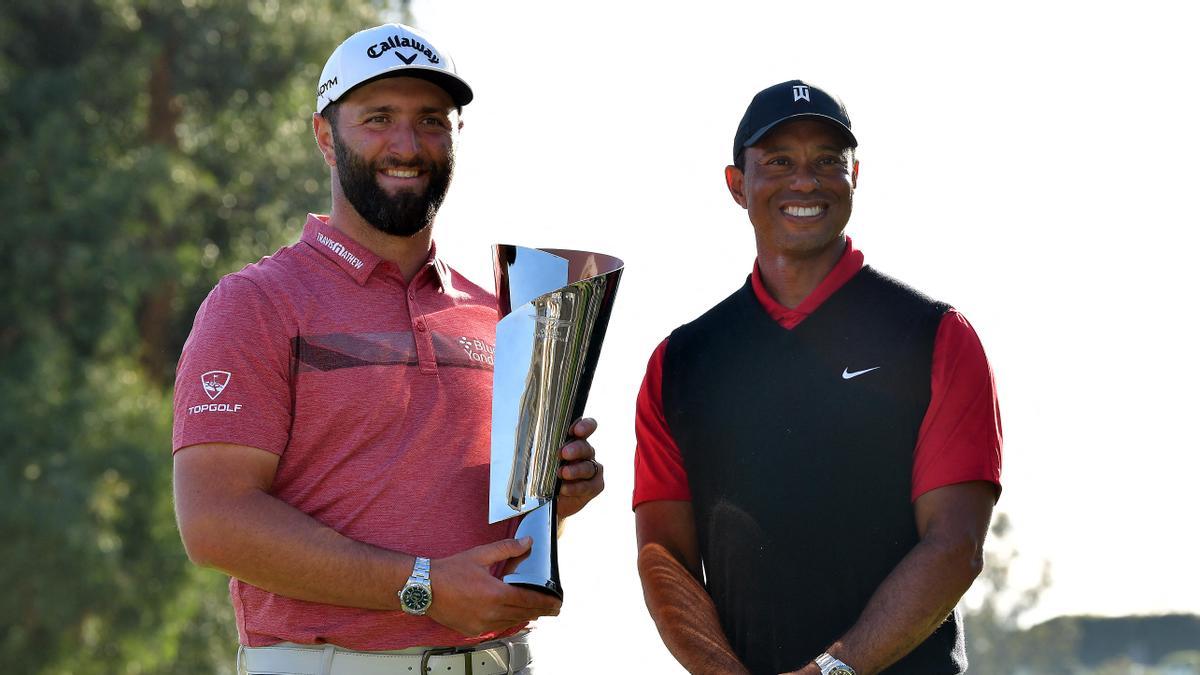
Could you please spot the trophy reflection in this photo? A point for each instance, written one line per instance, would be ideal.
(554, 309)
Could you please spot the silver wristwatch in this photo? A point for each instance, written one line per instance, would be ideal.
(417, 594)
(832, 666)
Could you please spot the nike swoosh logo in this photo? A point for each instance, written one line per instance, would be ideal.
(847, 375)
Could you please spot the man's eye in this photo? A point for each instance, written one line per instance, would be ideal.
(779, 161)
(377, 119)
(436, 121)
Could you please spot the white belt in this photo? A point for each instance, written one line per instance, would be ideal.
(490, 658)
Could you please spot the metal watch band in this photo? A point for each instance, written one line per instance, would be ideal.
(418, 587)
(421, 569)
(830, 665)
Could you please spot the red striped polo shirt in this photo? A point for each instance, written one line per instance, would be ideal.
(376, 395)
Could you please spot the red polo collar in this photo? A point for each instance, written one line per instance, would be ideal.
(846, 267)
(354, 258)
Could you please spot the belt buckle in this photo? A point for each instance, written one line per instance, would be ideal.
(445, 651)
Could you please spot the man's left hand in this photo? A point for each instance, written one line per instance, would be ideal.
(582, 476)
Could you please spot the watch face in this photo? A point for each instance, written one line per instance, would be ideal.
(416, 598)
(841, 670)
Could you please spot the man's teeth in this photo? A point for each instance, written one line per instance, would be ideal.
(402, 173)
(803, 211)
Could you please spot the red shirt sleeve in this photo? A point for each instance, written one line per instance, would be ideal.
(658, 471)
(960, 438)
(233, 382)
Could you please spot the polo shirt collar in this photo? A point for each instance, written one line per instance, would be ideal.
(846, 267)
(440, 268)
(354, 258)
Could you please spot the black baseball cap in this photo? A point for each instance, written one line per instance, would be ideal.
(786, 101)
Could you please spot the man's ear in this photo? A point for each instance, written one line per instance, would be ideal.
(734, 179)
(854, 176)
(323, 132)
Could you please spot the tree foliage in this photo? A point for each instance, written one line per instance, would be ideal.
(995, 641)
(1169, 641)
(146, 148)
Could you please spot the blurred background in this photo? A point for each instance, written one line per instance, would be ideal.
(1028, 162)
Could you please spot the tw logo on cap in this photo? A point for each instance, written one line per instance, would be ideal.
(800, 91)
(214, 382)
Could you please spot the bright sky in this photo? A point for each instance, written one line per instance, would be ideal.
(1028, 162)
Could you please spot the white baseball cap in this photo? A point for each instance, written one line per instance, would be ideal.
(390, 49)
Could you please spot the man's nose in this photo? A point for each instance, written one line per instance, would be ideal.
(403, 141)
(804, 179)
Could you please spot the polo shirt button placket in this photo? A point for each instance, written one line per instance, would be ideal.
(426, 356)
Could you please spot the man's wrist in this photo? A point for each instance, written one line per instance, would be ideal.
(831, 665)
(417, 595)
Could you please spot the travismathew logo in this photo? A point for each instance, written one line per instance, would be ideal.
(397, 42)
(336, 247)
(478, 350)
(215, 382)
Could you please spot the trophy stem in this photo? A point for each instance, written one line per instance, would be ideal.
(538, 569)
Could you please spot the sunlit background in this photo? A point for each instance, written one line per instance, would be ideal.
(1030, 163)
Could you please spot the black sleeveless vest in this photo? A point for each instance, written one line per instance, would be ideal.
(800, 469)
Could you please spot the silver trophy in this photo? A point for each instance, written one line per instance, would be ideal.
(554, 309)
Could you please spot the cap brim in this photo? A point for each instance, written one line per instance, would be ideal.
(460, 92)
(756, 136)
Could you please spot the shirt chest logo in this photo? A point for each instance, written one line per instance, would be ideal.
(847, 375)
(478, 350)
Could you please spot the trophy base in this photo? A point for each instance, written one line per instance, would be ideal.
(538, 569)
(547, 586)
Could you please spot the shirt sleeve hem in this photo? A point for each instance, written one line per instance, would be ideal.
(273, 447)
(638, 500)
(955, 480)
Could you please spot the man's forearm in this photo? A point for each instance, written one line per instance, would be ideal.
(685, 615)
(909, 605)
(274, 546)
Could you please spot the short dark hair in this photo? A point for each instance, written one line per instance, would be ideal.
(330, 113)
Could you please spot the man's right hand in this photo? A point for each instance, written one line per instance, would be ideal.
(468, 599)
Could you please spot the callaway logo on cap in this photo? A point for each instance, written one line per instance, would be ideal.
(390, 49)
(784, 101)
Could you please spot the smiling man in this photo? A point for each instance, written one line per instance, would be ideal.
(331, 430)
(819, 454)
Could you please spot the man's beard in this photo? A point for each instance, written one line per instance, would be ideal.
(405, 213)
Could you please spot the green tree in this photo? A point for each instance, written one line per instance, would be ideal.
(1181, 663)
(996, 644)
(146, 148)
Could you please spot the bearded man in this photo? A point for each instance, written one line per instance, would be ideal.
(331, 436)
